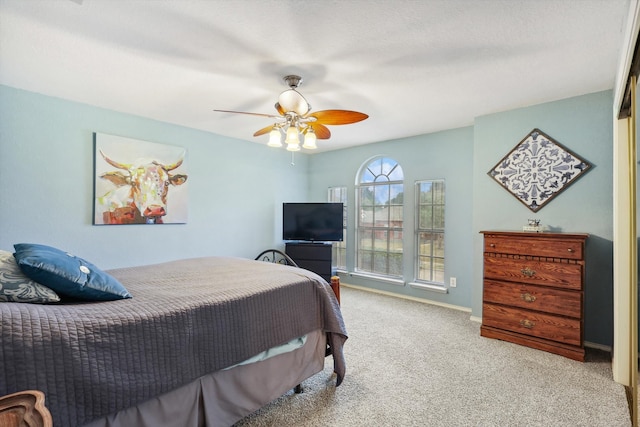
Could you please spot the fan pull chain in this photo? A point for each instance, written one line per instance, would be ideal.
(293, 163)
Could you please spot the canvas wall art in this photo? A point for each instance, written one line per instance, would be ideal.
(537, 169)
(138, 182)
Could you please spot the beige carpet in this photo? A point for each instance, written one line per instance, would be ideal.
(415, 364)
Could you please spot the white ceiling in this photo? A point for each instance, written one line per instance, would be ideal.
(414, 66)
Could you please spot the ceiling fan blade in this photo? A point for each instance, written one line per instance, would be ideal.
(338, 117)
(279, 108)
(263, 130)
(251, 114)
(322, 132)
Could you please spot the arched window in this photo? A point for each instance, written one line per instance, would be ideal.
(380, 197)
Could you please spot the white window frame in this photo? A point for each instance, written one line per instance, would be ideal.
(436, 229)
(339, 249)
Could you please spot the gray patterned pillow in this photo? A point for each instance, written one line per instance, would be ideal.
(16, 287)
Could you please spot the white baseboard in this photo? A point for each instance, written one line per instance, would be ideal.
(393, 294)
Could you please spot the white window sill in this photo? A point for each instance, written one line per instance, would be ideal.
(388, 280)
(429, 287)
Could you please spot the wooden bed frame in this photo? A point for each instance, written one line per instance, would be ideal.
(24, 409)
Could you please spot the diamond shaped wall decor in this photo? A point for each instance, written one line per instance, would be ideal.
(538, 169)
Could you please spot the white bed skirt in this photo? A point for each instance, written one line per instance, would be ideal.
(224, 397)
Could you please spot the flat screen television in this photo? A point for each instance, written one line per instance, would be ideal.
(312, 222)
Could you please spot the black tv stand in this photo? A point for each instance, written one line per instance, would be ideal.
(312, 256)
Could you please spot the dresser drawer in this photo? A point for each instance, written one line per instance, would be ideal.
(539, 298)
(556, 328)
(533, 271)
(539, 246)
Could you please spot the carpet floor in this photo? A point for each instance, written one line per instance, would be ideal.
(416, 364)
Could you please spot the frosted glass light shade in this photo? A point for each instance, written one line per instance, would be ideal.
(292, 136)
(310, 140)
(293, 140)
(274, 138)
(293, 146)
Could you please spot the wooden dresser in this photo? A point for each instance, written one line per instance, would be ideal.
(534, 290)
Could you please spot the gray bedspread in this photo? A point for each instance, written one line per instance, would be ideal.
(187, 318)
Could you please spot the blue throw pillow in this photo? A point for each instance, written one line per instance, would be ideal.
(67, 274)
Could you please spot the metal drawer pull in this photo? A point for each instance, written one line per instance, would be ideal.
(527, 323)
(493, 245)
(528, 272)
(528, 297)
(570, 250)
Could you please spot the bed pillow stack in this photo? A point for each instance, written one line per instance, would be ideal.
(67, 275)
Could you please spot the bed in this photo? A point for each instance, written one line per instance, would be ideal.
(202, 341)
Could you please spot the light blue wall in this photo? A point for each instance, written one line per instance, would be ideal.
(584, 125)
(236, 188)
(444, 155)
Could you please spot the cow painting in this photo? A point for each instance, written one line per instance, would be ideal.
(140, 193)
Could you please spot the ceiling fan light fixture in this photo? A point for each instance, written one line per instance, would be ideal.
(291, 101)
(310, 140)
(275, 139)
(295, 119)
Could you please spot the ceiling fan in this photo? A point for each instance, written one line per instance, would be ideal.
(295, 118)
